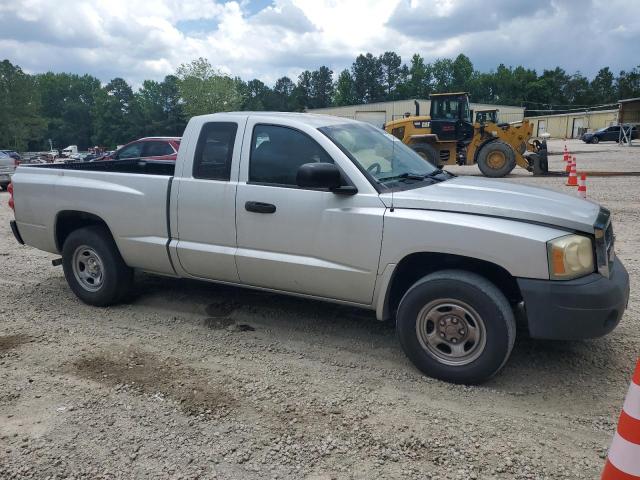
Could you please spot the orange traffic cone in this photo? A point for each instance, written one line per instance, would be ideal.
(582, 185)
(567, 167)
(623, 461)
(572, 180)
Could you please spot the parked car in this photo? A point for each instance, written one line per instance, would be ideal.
(8, 165)
(334, 209)
(607, 134)
(12, 154)
(156, 148)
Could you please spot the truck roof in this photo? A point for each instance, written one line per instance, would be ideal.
(313, 119)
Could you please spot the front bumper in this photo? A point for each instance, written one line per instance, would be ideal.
(586, 307)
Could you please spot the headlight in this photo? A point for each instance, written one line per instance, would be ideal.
(570, 257)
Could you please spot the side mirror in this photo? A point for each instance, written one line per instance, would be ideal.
(319, 175)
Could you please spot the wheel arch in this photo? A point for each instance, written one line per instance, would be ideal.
(68, 221)
(416, 265)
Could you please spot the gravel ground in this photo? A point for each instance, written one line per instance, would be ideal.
(192, 380)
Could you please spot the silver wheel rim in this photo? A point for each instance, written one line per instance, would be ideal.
(88, 268)
(451, 331)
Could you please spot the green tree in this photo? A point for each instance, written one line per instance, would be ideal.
(577, 90)
(442, 72)
(21, 124)
(367, 79)
(322, 87)
(418, 84)
(206, 90)
(344, 93)
(462, 74)
(256, 96)
(117, 115)
(283, 93)
(391, 65)
(628, 83)
(302, 92)
(161, 107)
(602, 86)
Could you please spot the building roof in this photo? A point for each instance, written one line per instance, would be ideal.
(628, 100)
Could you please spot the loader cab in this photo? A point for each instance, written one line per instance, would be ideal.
(451, 117)
(486, 116)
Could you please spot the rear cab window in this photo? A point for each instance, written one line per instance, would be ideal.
(214, 151)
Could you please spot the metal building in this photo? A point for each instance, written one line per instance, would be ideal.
(573, 125)
(381, 112)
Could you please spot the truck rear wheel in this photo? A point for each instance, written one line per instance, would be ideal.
(456, 326)
(428, 152)
(93, 267)
(496, 159)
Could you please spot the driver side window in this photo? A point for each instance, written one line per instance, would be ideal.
(277, 152)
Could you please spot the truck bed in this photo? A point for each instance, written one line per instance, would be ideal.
(130, 196)
(133, 165)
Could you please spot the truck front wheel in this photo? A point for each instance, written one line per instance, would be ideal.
(456, 326)
(93, 267)
(496, 159)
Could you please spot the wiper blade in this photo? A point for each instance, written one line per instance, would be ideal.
(440, 172)
(404, 176)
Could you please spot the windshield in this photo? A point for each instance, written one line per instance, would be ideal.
(382, 155)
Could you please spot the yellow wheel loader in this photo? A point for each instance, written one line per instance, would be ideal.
(448, 137)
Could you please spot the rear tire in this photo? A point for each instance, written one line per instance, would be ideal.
(94, 268)
(456, 326)
(428, 152)
(496, 159)
(3, 186)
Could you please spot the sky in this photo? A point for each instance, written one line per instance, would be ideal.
(267, 39)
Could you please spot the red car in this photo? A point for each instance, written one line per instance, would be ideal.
(154, 148)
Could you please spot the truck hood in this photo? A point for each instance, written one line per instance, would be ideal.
(481, 196)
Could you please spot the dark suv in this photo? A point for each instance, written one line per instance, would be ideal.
(154, 148)
(607, 134)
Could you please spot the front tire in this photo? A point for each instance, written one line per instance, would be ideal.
(93, 267)
(496, 159)
(456, 326)
(595, 139)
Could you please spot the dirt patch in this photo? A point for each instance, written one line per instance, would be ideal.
(222, 308)
(221, 323)
(9, 342)
(145, 373)
(218, 323)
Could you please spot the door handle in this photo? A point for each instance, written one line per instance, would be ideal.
(259, 207)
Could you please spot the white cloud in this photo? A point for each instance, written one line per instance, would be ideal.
(138, 39)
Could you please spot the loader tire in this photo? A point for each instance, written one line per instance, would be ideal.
(496, 159)
(429, 153)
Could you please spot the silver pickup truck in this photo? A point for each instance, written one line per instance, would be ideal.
(334, 209)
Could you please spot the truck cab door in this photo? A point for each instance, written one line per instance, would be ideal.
(204, 191)
(302, 240)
